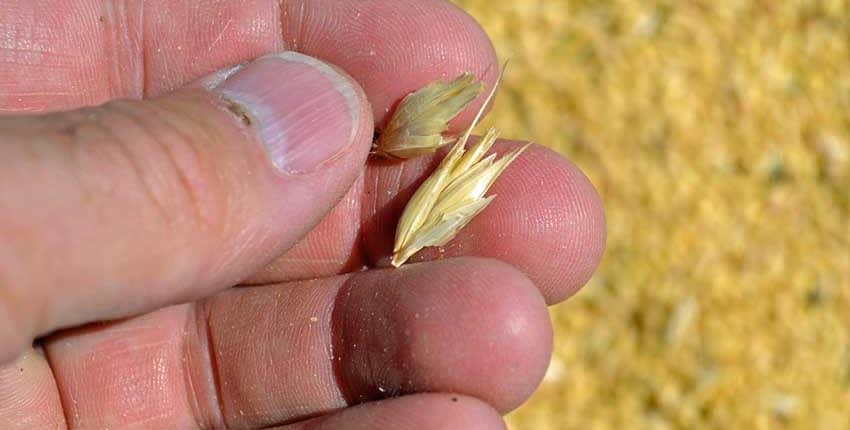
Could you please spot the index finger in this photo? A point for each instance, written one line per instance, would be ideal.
(109, 50)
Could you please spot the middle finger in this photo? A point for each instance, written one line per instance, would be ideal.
(547, 222)
(254, 357)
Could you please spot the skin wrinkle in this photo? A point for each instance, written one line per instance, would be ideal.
(244, 237)
(193, 161)
(178, 169)
(157, 380)
(140, 72)
(123, 149)
(337, 259)
(144, 51)
(125, 155)
(110, 40)
(254, 391)
(202, 383)
(192, 389)
(293, 38)
(166, 216)
(230, 254)
(26, 35)
(28, 43)
(212, 354)
(197, 162)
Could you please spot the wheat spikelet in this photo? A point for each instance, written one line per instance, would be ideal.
(417, 126)
(453, 195)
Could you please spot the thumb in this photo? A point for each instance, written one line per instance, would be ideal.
(122, 208)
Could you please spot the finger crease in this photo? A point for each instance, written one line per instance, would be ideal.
(121, 144)
(69, 412)
(204, 371)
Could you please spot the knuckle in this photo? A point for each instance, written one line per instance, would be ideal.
(165, 154)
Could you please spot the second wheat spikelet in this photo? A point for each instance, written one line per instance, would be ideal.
(417, 126)
(454, 194)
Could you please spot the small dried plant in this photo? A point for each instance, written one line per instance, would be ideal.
(454, 193)
(417, 125)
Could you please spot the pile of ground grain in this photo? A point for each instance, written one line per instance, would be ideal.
(718, 133)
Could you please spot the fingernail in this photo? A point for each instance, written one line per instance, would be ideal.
(303, 110)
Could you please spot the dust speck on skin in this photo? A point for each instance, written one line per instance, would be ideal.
(239, 111)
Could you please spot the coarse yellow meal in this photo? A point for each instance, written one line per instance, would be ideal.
(717, 134)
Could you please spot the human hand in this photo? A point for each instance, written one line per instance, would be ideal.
(149, 210)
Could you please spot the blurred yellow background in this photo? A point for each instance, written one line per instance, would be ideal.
(718, 134)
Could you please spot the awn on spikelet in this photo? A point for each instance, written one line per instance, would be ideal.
(453, 195)
(417, 126)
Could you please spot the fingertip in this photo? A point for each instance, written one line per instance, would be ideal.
(513, 346)
(571, 230)
(548, 222)
(393, 47)
(483, 59)
(467, 325)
